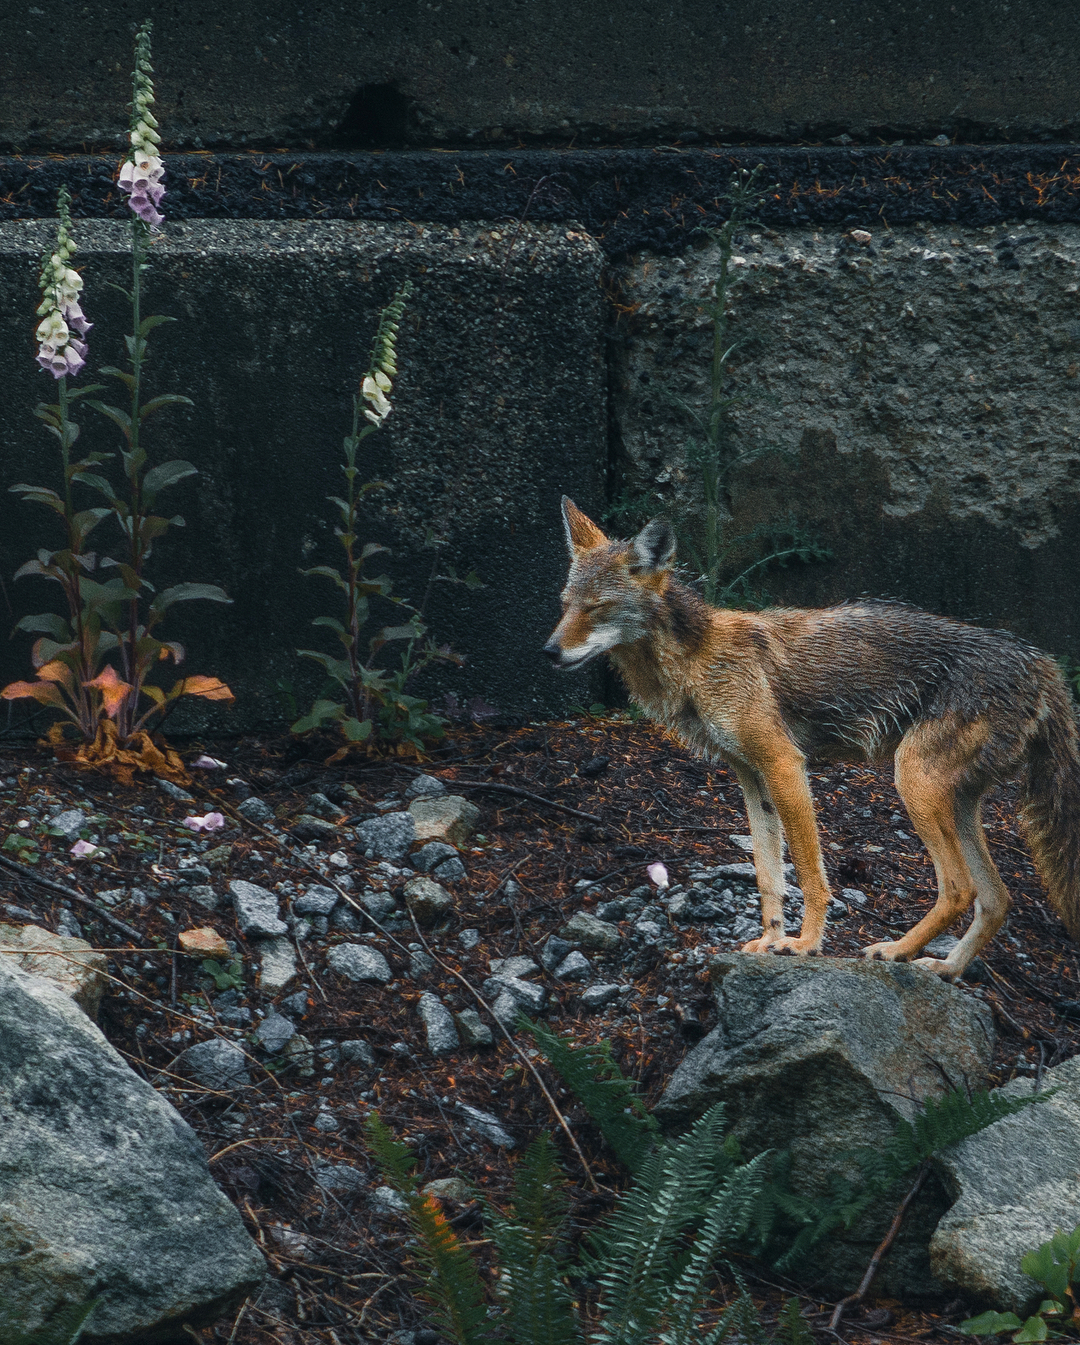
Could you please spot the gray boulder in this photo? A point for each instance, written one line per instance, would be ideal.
(484, 1124)
(597, 996)
(450, 871)
(69, 823)
(256, 910)
(389, 836)
(358, 962)
(822, 1056)
(442, 1035)
(574, 967)
(104, 1189)
(427, 900)
(1014, 1183)
(526, 995)
(472, 1030)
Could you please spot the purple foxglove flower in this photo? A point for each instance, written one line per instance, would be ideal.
(82, 849)
(209, 822)
(142, 173)
(658, 874)
(60, 352)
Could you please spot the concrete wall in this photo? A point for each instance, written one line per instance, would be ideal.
(461, 72)
(498, 409)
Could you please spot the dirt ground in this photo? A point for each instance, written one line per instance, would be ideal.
(341, 1272)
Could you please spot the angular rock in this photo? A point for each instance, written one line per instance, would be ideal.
(273, 1032)
(103, 1187)
(1014, 1183)
(525, 994)
(204, 895)
(256, 810)
(277, 965)
(822, 1056)
(204, 942)
(359, 962)
(554, 951)
(598, 995)
(450, 819)
(381, 905)
(513, 966)
(442, 1036)
(69, 823)
(574, 967)
(321, 805)
(174, 792)
(427, 900)
(425, 787)
(219, 857)
(596, 935)
(484, 1124)
(450, 871)
(296, 1005)
(299, 1055)
(469, 939)
(356, 1052)
(70, 964)
(256, 910)
(505, 1010)
(421, 964)
(216, 1064)
(472, 1030)
(326, 1122)
(317, 900)
(390, 836)
(453, 1189)
(341, 1177)
(385, 1200)
(430, 855)
(309, 828)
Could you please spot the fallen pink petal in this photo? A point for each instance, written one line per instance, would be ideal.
(209, 822)
(83, 848)
(205, 763)
(658, 875)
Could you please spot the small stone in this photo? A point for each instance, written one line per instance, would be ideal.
(420, 965)
(218, 857)
(21, 913)
(598, 995)
(451, 819)
(237, 1017)
(596, 935)
(273, 1032)
(321, 805)
(425, 787)
(506, 1010)
(346, 921)
(342, 1177)
(310, 828)
(453, 1189)
(574, 967)
(206, 942)
(256, 910)
(681, 908)
(203, 895)
(450, 871)
(69, 823)
(390, 836)
(175, 792)
(525, 994)
(356, 1052)
(216, 1064)
(513, 966)
(385, 1200)
(317, 900)
(554, 951)
(427, 900)
(430, 855)
(853, 895)
(255, 810)
(612, 911)
(296, 1004)
(277, 965)
(472, 1029)
(358, 962)
(442, 1037)
(469, 939)
(326, 1122)
(299, 1055)
(649, 930)
(487, 1126)
(67, 926)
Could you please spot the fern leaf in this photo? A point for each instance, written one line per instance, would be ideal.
(395, 1160)
(595, 1079)
(791, 1327)
(453, 1286)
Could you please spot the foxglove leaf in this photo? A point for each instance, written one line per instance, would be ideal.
(186, 593)
(167, 473)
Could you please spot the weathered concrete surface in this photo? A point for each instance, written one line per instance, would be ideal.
(923, 394)
(1013, 1185)
(272, 74)
(823, 1056)
(499, 407)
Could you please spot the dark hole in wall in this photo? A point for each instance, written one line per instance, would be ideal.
(377, 118)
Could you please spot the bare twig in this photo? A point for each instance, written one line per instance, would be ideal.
(494, 788)
(24, 871)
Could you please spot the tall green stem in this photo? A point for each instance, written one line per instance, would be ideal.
(129, 651)
(75, 603)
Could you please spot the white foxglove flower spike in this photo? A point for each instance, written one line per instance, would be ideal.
(61, 350)
(142, 172)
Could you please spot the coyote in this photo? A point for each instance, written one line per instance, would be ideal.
(959, 709)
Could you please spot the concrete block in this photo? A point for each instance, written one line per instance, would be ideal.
(498, 409)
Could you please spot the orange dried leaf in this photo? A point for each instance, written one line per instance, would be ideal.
(44, 692)
(57, 671)
(209, 688)
(113, 690)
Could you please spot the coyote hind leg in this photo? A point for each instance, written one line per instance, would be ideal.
(768, 837)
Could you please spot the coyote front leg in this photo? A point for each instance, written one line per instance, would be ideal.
(786, 791)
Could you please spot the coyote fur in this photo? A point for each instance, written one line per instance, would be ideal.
(959, 709)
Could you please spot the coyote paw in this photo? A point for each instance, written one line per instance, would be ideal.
(788, 946)
(940, 968)
(886, 952)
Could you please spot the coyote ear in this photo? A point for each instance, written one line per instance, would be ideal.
(582, 534)
(653, 548)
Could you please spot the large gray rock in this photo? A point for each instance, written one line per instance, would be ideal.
(104, 1190)
(822, 1056)
(1014, 1183)
(256, 910)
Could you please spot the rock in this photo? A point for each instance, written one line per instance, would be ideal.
(309, 828)
(596, 935)
(425, 787)
(322, 807)
(21, 913)
(381, 905)
(525, 994)
(297, 1247)
(574, 967)
(472, 1030)
(191, 871)
(69, 823)
(385, 1200)
(277, 965)
(389, 836)
(853, 895)
(256, 910)
(513, 966)
(296, 1005)
(346, 921)
(612, 911)
(356, 1052)
(442, 1036)
(745, 869)
(327, 1122)
(255, 810)
(598, 995)
(431, 855)
(273, 1032)
(218, 857)
(104, 1189)
(554, 951)
(469, 939)
(204, 942)
(822, 1056)
(648, 930)
(505, 1010)
(204, 895)
(450, 871)
(450, 819)
(342, 1177)
(1014, 1183)
(216, 1064)
(427, 900)
(299, 1055)
(69, 963)
(68, 927)
(420, 964)
(484, 1124)
(453, 1189)
(359, 962)
(317, 900)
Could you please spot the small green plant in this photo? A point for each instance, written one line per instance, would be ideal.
(23, 848)
(1055, 1265)
(372, 701)
(230, 977)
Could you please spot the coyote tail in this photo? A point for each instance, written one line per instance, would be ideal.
(1050, 801)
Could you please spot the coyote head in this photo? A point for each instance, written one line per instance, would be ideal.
(615, 589)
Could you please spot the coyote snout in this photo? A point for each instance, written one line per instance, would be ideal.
(766, 692)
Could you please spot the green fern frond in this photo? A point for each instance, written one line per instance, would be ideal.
(540, 1200)
(740, 1320)
(395, 1160)
(595, 1079)
(791, 1327)
(453, 1286)
(63, 1328)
